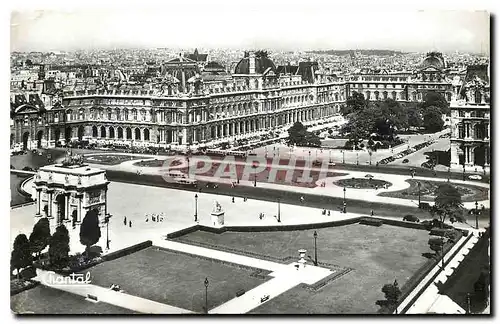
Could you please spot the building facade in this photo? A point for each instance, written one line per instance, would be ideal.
(470, 120)
(180, 109)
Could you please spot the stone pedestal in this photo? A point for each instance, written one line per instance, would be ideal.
(302, 261)
(217, 218)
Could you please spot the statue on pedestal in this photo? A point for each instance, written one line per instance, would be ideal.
(217, 207)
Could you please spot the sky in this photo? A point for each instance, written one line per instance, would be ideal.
(250, 25)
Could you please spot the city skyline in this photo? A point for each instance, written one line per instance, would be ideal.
(272, 27)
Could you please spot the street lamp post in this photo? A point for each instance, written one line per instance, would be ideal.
(330, 156)
(279, 211)
(343, 157)
(315, 249)
(357, 158)
(449, 173)
(107, 217)
(206, 295)
(196, 207)
(254, 175)
(419, 184)
(370, 154)
(344, 203)
(463, 173)
(476, 212)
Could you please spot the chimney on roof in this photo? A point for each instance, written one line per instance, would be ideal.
(251, 63)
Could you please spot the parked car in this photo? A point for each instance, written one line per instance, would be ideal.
(475, 177)
(27, 168)
(411, 218)
(406, 161)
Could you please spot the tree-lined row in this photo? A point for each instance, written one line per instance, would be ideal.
(25, 251)
(385, 119)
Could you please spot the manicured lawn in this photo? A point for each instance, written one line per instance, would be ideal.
(362, 183)
(45, 300)
(174, 279)
(428, 191)
(110, 159)
(156, 163)
(377, 255)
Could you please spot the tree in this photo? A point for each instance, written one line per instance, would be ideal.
(90, 232)
(432, 120)
(436, 244)
(39, 238)
(435, 99)
(414, 117)
(354, 104)
(298, 135)
(392, 294)
(59, 247)
(448, 202)
(21, 255)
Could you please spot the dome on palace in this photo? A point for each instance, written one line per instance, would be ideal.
(434, 60)
(262, 63)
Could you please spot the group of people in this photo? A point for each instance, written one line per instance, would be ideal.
(115, 287)
(125, 222)
(325, 212)
(155, 217)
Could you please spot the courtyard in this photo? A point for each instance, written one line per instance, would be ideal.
(375, 255)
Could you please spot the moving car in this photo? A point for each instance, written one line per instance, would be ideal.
(475, 177)
(212, 185)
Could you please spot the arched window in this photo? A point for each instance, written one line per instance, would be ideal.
(103, 131)
(120, 132)
(137, 134)
(146, 134)
(118, 117)
(134, 112)
(94, 131)
(125, 113)
(129, 133)
(111, 132)
(109, 114)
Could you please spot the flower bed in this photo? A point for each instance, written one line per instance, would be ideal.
(362, 183)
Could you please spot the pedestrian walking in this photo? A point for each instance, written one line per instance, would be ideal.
(125, 220)
(372, 212)
(129, 223)
(232, 200)
(328, 213)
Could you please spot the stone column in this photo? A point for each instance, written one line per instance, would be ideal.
(38, 201)
(49, 212)
(66, 202)
(79, 211)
